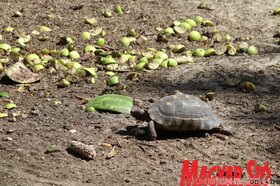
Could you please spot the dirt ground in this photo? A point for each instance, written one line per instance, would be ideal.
(139, 161)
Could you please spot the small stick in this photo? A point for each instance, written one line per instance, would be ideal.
(83, 150)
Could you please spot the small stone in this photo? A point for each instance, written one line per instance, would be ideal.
(10, 131)
(7, 139)
(35, 111)
(73, 131)
(163, 161)
(12, 119)
(234, 156)
(56, 102)
(91, 21)
(24, 116)
(16, 114)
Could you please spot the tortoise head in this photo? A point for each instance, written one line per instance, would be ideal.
(140, 114)
(175, 92)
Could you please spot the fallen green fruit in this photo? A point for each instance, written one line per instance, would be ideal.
(164, 64)
(169, 31)
(112, 102)
(100, 42)
(63, 83)
(15, 49)
(198, 20)
(86, 35)
(208, 23)
(10, 106)
(118, 9)
(132, 32)
(38, 67)
(90, 49)
(91, 71)
(5, 46)
(227, 38)
(111, 67)
(242, 46)
(108, 60)
(276, 11)
(110, 73)
(252, 50)
(52, 149)
(32, 58)
(210, 95)
(23, 40)
(194, 36)
(191, 22)
(172, 62)
(113, 80)
(178, 30)
(125, 41)
(260, 108)
(199, 52)
(248, 86)
(107, 13)
(185, 25)
(140, 66)
(90, 109)
(45, 29)
(209, 52)
(69, 40)
(124, 58)
(4, 94)
(64, 52)
(178, 48)
(8, 29)
(3, 115)
(231, 81)
(231, 50)
(160, 55)
(74, 55)
(90, 21)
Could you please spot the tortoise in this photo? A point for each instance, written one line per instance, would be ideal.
(181, 112)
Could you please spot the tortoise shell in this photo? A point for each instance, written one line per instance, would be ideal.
(183, 112)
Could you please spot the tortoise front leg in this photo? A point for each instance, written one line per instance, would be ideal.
(227, 130)
(152, 131)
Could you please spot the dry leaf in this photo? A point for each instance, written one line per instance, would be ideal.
(112, 153)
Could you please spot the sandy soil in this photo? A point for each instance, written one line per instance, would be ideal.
(139, 161)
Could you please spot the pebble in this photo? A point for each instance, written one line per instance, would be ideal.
(12, 119)
(73, 131)
(10, 131)
(7, 139)
(24, 116)
(163, 161)
(35, 111)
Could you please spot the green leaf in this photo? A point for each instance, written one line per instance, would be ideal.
(52, 149)
(10, 106)
(112, 102)
(3, 115)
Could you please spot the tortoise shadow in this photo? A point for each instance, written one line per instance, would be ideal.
(141, 133)
(5, 80)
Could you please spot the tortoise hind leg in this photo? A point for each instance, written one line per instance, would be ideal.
(152, 131)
